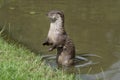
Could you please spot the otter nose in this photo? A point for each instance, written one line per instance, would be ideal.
(47, 14)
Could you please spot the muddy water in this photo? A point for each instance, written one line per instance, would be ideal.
(93, 25)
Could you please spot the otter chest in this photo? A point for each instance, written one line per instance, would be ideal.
(54, 32)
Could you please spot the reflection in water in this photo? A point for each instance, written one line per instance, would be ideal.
(79, 61)
(93, 25)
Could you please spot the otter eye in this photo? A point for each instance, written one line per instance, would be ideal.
(58, 15)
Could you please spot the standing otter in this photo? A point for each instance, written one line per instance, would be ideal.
(58, 38)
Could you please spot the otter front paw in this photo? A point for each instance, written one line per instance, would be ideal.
(50, 49)
(45, 43)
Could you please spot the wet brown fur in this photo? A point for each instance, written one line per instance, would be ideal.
(58, 39)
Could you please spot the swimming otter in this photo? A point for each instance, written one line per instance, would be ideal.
(58, 39)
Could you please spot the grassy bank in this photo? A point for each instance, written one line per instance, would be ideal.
(18, 63)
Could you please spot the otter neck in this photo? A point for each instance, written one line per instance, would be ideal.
(58, 25)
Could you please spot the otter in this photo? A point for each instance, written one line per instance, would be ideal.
(58, 39)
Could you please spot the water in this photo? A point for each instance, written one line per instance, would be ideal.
(93, 26)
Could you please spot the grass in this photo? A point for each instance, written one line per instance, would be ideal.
(18, 63)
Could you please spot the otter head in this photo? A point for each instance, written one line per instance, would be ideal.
(55, 15)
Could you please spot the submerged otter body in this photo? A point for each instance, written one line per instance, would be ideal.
(58, 39)
(66, 54)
